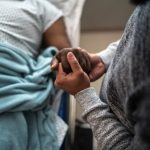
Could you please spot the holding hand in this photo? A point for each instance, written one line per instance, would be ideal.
(97, 67)
(75, 81)
(90, 63)
(81, 56)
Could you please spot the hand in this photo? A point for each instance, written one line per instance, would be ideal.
(54, 64)
(75, 81)
(97, 66)
(82, 57)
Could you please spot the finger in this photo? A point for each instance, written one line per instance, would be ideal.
(97, 72)
(79, 48)
(82, 50)
(74, 64)
(54, 64)
(60, 78)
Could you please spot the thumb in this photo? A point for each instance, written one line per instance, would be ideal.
(60, 72)
(54, 64)
(74, 64)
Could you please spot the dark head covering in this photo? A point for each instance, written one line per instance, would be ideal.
(136, 2)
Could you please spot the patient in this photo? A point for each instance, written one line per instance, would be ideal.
(28, 24)
(26, 120)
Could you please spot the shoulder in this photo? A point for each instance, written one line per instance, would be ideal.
(42, 4)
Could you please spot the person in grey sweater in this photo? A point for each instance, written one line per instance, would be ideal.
(120, 117)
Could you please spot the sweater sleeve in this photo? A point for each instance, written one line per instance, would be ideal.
(108, 54)
(107, 129)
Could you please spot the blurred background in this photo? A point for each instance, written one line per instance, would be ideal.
(102, 22)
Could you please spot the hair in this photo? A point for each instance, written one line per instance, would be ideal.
(136, 2)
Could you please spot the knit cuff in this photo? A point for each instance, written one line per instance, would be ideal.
(88, 99)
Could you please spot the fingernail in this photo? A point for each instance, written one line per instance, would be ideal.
(70, 54)
(52, 67)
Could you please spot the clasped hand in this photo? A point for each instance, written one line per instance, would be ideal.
(77, 80)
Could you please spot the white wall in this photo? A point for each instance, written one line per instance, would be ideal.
(105, 14)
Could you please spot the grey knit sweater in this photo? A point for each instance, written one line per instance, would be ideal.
(120, 117)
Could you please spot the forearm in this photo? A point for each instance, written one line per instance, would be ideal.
(107, 129)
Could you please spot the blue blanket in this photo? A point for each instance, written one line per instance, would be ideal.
(26, 119)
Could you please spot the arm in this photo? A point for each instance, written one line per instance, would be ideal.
(53, 26)
(110, 133)
(107, 129)
(56, 35)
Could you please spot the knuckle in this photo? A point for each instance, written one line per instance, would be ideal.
(75, 63)
(55, 83)
(58, 83)
(80, 73)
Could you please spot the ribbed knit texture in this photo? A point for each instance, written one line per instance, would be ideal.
(120, 117)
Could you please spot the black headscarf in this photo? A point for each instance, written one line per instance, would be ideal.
(136, 2)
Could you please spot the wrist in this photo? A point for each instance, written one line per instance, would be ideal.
(80, 89)
(88, 99)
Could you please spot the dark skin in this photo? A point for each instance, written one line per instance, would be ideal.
(96, 64)
(82, 57)
(75, 81)
(56, 35)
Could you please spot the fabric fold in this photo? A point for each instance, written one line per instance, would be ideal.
(25, 88)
